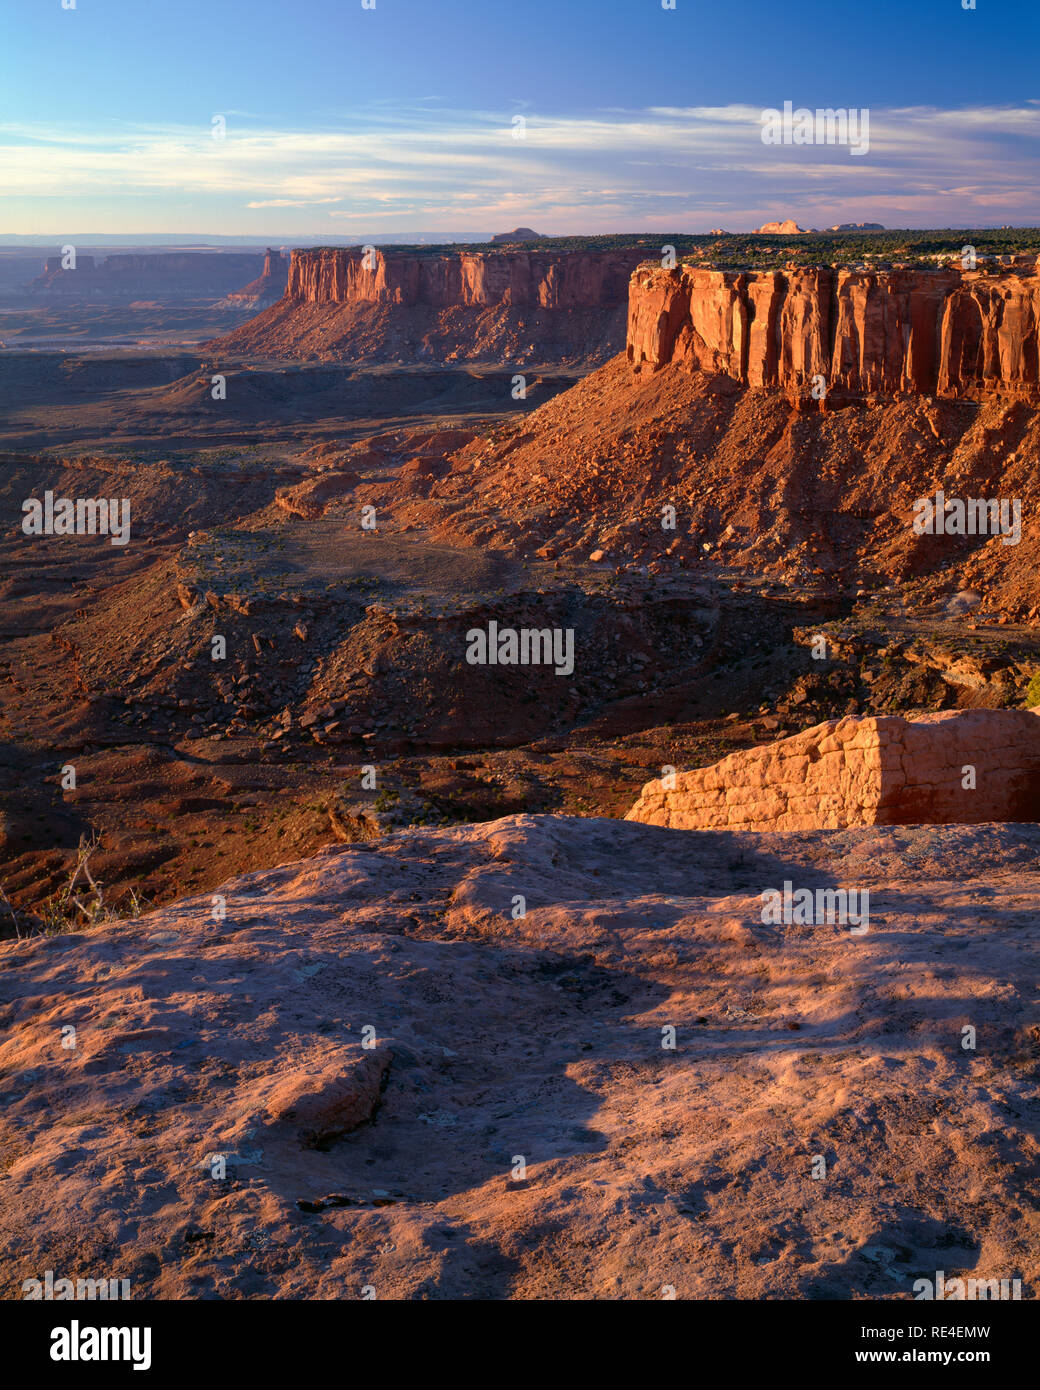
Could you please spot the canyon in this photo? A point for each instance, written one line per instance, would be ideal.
(301, 820)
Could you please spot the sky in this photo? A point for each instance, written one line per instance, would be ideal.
(323, 117)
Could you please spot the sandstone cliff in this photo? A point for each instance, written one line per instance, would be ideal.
(931, 332)
(511, 306)
(544, 279)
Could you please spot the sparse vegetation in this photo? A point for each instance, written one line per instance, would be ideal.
(762, 251)
(79, 903)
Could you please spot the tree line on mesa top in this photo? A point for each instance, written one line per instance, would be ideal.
(769, 251)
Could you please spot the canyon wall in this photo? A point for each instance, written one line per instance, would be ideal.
(934, 332)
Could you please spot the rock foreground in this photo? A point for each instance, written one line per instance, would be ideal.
(957, 767)
(495, 1039)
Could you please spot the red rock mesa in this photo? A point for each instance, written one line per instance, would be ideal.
(510, 306)
(542, 279)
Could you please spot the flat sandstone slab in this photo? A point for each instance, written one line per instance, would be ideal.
(374, 1027)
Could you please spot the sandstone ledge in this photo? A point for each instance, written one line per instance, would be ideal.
(864, 771)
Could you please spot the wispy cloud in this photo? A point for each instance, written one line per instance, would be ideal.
(663, 166)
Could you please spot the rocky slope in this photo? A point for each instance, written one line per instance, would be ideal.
(758, 485)
(963, 335)
(515, 307)
(370, 1078)
(342, 648)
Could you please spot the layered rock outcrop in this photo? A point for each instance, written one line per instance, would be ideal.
(932, 332)
(542, 279)
(873, 771)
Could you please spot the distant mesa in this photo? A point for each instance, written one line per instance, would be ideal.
(503, 303)
(718, 231)
(791, 228)
(165, 276)
(786, 228)
(517, 234)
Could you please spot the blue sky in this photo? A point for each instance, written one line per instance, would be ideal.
(401, 118)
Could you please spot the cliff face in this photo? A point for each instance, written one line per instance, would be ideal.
(512, 307)
(933, 332)
(544, 279)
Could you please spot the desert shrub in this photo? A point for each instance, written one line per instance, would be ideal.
(76, 905)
